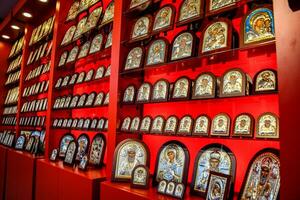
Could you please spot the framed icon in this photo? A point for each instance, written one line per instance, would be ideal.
(107, 71)
(134, 58)
(128, 154)
(64, 124)
(164, 19)
(70, 153)
(204, 86)
(84, 5)
(90, 99)
(20, 142)
(160, 91)
(144, 93)
(233, 83)
(220, 125)
(86, 124)
(126, 124)
(217, 36)
(89, 75)
(135, 124)
(96, 43)
(129, 94)
(83, 163)
(80, 123)
(54, 154)
(140, 177)
(99, 99)
(97, 150)
(73, 79)
(265, 81)
(181, 89)
(81, 77)
(63, 58)
(83, 142)
(212, 158)
(141, 28)
(73, 55)
(68, 36)
(84, 50)
(100, 125)
(183, 46)
(146, 124)
(99, 73)
(109, 14)
(157, 52)
(108, 42)
(263, 173)
(170, 188)
(29, 145)
(74, 123)
(69, 124)
(171, 125)
(158, 125)
(138, 5)
(257, 26)
(65, 81)
(73, 12)
(179, 191)
(176, 153)
(217, 7)
(93, 19)
(55, 121)
(74, 101)
(218, 186)
(94, 124)
(201, 126)
(190, 11)
(106, 99)
(243, 125)
(64, 143)
(267, 126)
(185, 125)
(80, 28)
(162, 187)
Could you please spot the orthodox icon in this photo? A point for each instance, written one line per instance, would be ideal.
(84, 50)
(137, 4)
(96, 43)
(146, 124)
(65, 81)
(109, 14)
(233, 83)
(243, 125)
(126, 124)
(84, 5)
(68, 36)
(201, 126)
(92, 19)
(190, 11)
(74, 123)
(135, 124)
(160, 90)
(54, 155)
(144, 93)
(81, 77)
(107, 71)
(205, 86)
(55, 123)
(172, 163)
(263, 177)
(183, 46)
(164, 19)
(99, 99)
(214, 7)
(258, 26)
(217, 36)
(97, 150)
(20, 142)
(90, 99)
(58, 83)
(73, 12)
(141, 28)
(70, 153)
(83, 163)
(80, 28)
(171, 125)
(100, 125)
(157, 52)
(129, 154)
(94, 123)
(140, 177)
(89, 75)
(80, 123)
(134, 58)
(64, 142)
(266, 81)
(170, 188)
(82, 100)
(267, 126)
(106, 99)
(63, 58)
(179, 191)
(73, 79)
(108, 42)
(74, 101)
(181, 88)
(185, 125)
(69, 124)
(86, 124)
(162, 187)
(212, 158)
(129, 94)
(73, 55)
(220, 125)
(82, 146)
(157, 125)
(217, 187)
(99, 72)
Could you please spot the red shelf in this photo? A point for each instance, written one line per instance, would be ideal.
(3, 156)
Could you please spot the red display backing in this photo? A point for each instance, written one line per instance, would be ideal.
(65, 182)
(20, 175)
(3, 156)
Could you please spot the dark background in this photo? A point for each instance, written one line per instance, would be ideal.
(5, 7)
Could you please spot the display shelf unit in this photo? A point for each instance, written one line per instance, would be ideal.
(3, 157)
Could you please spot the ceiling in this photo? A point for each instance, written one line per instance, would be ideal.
(5, 7)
